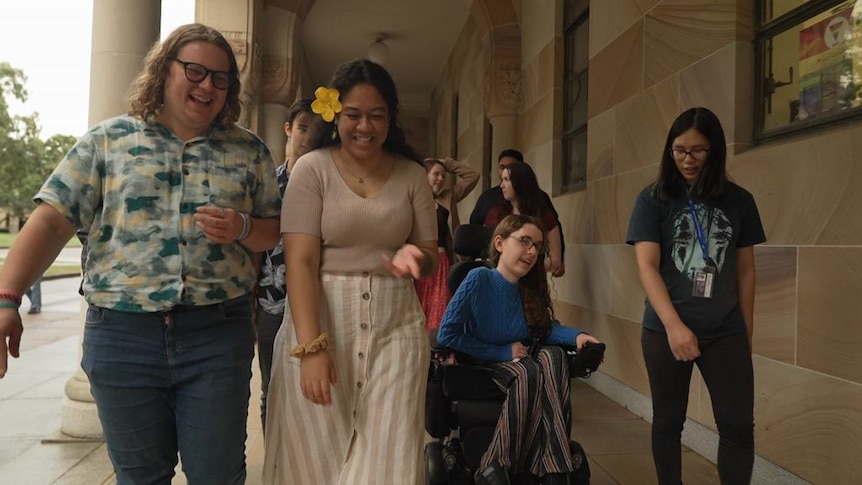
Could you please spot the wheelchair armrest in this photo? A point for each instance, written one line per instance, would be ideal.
(586, 361)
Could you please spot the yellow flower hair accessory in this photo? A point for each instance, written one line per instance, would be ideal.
(326, 103)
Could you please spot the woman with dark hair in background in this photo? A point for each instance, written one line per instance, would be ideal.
(694, 233)
(522, 195)
(347, 395)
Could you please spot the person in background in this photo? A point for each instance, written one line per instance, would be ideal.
(346, 401)
(494, 197)
(522, 195)
(494, 316)
(34, 293)
(270, 293)
(175, 197)
(433, 290)
(694, 232)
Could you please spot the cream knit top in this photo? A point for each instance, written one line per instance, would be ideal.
(355, 232)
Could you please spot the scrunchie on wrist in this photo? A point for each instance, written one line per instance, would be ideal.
(316, 345)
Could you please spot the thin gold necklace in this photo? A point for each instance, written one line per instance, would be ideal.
(361, 179)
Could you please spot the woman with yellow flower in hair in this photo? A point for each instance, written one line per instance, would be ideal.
(348, 385)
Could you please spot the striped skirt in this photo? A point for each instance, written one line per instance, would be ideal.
(374, 430)
(532, 434)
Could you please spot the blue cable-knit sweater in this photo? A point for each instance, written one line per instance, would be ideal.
(485, 317)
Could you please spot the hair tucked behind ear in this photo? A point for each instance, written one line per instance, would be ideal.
(533, 286)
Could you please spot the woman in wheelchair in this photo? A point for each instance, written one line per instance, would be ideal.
(493, 316)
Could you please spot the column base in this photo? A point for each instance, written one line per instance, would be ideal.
(80, 420)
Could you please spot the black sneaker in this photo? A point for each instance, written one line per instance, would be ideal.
(34, 311)
(494, 474)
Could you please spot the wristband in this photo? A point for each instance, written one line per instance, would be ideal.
(11, 295)
(8, 304)
(246, 227)
(318, 344)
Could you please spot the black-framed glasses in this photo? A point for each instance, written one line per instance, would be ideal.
(196, 73)
(528, 244)
(698, 154)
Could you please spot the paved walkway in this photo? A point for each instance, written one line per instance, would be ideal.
(31, 397)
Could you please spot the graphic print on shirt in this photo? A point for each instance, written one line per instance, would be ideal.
(687, 254)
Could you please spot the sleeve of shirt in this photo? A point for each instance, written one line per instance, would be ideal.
(459, 319)
(74, 189)
(302, 206)
(563, 335)
(645, 222)
(751, 228)
(267, 195)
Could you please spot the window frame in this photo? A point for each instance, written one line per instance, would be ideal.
(569, 133)
(764, 32)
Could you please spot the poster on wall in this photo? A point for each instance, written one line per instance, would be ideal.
(827, 81)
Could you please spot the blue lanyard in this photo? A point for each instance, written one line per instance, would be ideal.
(698, 229)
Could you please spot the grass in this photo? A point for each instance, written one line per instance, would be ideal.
(7, 238)
(56, 270)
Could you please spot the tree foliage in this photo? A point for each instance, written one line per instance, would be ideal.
(25, 159)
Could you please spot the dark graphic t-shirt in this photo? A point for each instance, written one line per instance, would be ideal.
(727, 223)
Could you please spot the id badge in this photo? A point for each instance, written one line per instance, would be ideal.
(703, 279)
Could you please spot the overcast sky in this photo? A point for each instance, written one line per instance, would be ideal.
(50, 41)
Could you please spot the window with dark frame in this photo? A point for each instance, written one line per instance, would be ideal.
(809, 62)
(576, 38)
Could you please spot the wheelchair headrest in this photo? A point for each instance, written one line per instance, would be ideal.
(459, 270)
(472, 240)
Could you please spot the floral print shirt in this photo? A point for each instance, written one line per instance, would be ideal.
(137, 186)
(272, 292)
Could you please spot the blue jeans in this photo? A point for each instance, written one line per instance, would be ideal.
(169, 382)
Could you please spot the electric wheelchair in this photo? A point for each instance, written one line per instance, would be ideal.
(463, 401)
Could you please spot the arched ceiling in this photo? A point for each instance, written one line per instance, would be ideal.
(420, 36)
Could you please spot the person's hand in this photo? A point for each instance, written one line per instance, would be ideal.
(317, 376)
(683, 343)
(407, 261)
(556, 268)
(583, 338)
(519, 350)
(219, 224)
(11, 329)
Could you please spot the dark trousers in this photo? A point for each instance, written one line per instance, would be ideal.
(267, 326)
(172, 382)
(725, 364)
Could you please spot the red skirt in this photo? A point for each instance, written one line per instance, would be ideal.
(433, 293)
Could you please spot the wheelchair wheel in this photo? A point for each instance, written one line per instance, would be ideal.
(435, 467)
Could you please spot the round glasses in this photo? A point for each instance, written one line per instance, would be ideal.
(528, 244)
(196, 73)
(698, 154)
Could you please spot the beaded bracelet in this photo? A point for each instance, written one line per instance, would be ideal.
(246, 226)
(8, 304)
(315, 345)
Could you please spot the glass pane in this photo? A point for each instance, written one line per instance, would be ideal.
(573, 10)
(582, 46)
(574, 171)
(776, 8)
(814, 69)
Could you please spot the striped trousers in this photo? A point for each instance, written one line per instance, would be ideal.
(532, 434)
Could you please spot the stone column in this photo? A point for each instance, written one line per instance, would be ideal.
(123, 32)
(503, 95)
(282, 63)
(505, 136)
(274, 116)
